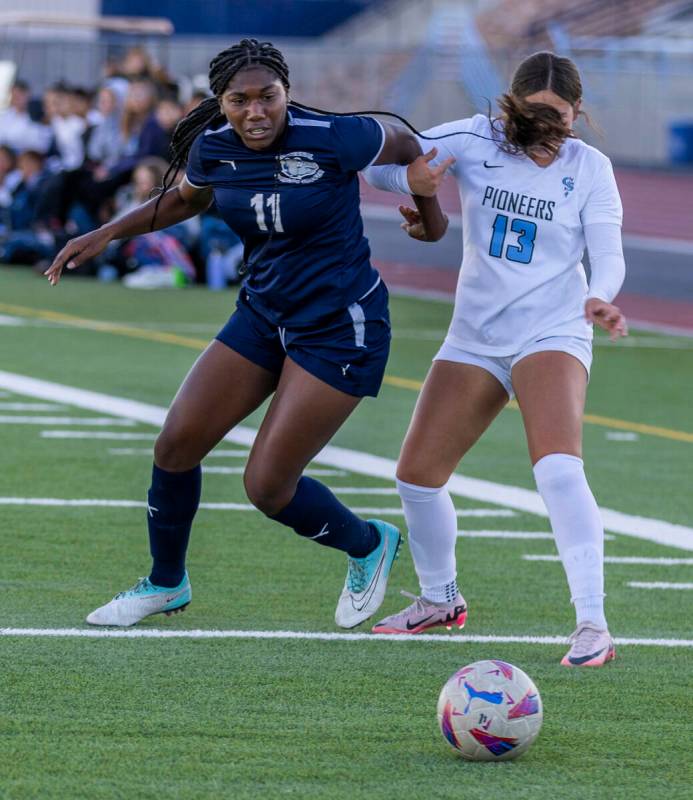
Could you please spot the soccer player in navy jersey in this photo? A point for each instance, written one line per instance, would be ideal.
(311, 325)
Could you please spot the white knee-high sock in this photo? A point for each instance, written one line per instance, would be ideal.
(578, 530)
(432, 524)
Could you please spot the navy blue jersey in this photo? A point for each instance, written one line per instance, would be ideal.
(295, 206)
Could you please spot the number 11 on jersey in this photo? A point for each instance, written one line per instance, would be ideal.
(258, 202)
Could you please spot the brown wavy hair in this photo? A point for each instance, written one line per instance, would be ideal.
(524, 125)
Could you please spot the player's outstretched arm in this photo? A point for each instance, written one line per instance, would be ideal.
(177, 204)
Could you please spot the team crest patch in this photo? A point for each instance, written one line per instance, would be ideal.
(568, 186)
(299, 167)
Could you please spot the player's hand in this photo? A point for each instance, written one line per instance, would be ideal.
(413, 225)
(424, 180)
(76, 252)
(606, 316)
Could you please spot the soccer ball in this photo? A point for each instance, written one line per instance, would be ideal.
(490, 711)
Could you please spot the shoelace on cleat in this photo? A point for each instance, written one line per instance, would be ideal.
(584, 639)
(358, 579)
(419, 606)
(141, 584)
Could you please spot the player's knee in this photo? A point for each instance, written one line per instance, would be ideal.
(420, 474)
(266, 491)
(173, 449)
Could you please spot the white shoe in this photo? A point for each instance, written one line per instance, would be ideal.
(366, 580)
(142, 600)
(591, 647)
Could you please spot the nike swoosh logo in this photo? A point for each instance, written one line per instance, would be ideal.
(492, 166)
(411, 626)
(582, 659)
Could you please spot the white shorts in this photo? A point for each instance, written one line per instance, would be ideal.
(501, 366)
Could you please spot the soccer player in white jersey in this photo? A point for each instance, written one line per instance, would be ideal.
(533, 195)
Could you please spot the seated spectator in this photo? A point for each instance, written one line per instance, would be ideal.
(140, 103)
(157, 130)
(69, 125)
(25, 241)
(156, 259)
(10, 177)
(106, 144)
(17, 129)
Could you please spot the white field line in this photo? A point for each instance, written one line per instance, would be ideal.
(153, 633)
(228, 454)
(653, 530)
(8, 419)
(6, 319)
(111, 435)
(621, 436)
(30, 407)
(512, 535)
(324, 473)
(660, 585)
(662, 562)
(97, 502)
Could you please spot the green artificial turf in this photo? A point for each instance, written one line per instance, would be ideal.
(256, 718)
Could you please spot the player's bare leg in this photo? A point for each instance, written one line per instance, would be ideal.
(551, 388)
(457, 404)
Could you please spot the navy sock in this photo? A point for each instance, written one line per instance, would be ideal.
(172, 502)
(314, 512)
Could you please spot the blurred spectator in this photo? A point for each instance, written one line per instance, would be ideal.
(26, 242)
(159, 258)
(69, 125)
(10, 176)
(138, 65)
(139, 105)
(158, 128)
(17, 129)
(107, 144)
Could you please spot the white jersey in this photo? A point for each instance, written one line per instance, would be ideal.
(522, 278)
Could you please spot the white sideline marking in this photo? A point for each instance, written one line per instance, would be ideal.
(332, 473)
(153, 633)
(228, 454)
(384, 490)
(653, 530)
(621, 436)
(98, 502)
(512, 535)
(662, 562)
(97, 435)
(8, 419)
(660, 585)
(6, 319)
(30, 407)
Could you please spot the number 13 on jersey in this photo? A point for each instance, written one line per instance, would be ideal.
(522, 251)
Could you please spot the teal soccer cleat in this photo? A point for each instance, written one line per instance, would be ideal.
(142, 600)
(366, 580)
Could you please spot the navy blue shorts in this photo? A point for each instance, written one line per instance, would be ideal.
(347, 351)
